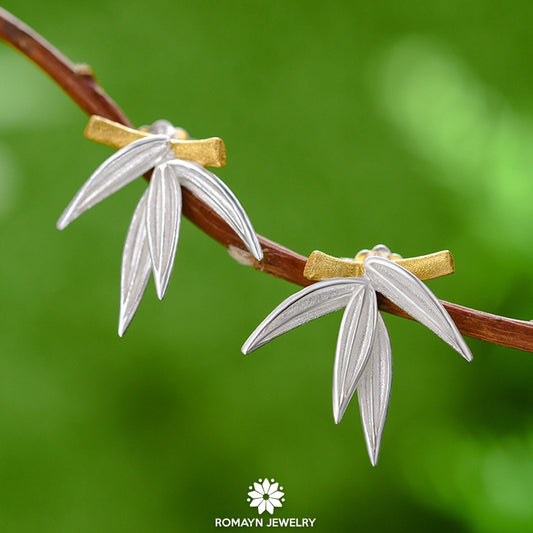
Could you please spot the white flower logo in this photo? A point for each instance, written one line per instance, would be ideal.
(266, 496)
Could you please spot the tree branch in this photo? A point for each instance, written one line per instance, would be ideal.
(79, 83)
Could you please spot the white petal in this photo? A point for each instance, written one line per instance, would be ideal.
(408, 292)
(273, 488)
(217, 195)
(269, 507)
(136, 266)
(275, 502)
(277, 495)
(312, 302)
(258, 488)
(114, 173)
(262, 507)
(254, 494)
(266, 485)
(373, 390)
(255, 503)
(353, 346)
(163, 216)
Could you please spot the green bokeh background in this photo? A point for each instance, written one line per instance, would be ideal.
(346, 124)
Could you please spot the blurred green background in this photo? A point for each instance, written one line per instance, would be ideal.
(347, 124)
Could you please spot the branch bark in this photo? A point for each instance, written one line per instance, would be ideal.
(81, 86)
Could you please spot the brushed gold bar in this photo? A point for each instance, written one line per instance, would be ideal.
(322, 266)
(208, 152)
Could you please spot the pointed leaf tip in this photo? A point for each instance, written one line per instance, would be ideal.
(61, 224)
(212, 191)
(163, 217)
(136, 266)
(414, 297)
(312, 302)
(121, 168)
(354, 343)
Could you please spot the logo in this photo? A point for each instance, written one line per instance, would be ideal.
(266, 496)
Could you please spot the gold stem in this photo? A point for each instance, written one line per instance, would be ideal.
(321, 266)
(208, 152)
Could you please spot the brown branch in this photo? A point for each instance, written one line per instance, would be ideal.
(79, 83)
(76, 80)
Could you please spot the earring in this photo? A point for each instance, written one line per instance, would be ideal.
(363, 358)
(152, 239)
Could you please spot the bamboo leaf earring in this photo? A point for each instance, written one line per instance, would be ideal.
(363, 358)
(152, 238)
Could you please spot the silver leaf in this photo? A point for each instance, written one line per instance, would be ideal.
(163, 216)
(217, 195)
(312, 302)
(353, 346)
(373, 390)
(408, 292)
(136, 266)
(121, 168)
